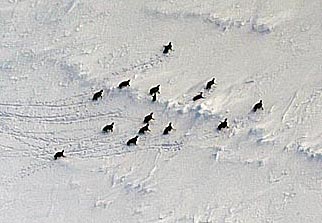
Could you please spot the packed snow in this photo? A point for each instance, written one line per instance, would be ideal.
(266, 167)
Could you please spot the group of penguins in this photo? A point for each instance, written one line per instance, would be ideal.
(146, 120)
(153, 92)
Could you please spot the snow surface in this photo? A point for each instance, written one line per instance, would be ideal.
(265, 168)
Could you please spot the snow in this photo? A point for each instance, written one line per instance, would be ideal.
(266, 167)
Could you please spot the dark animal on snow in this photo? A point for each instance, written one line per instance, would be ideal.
(210, 83)
(97, 95)
(132, 141)
(167, 48)
(124, 84)
(155, 90)
(59, 154)
(144, 129)
(258, 105)
(108, 127)
(168, 129)
(148, 118)
(154, 97)
(197, 97)
(223, 125)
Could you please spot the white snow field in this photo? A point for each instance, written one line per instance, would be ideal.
(55, 54)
